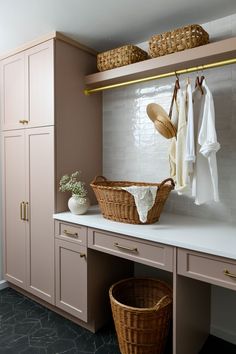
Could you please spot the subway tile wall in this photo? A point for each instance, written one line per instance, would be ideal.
(133, 150)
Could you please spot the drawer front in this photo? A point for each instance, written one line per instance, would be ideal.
(155, 255)
(71, 232)
(212, 269)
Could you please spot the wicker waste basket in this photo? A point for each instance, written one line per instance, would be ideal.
(142, 311)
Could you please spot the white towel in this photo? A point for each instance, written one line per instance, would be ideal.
(144, 198)
(181, 173)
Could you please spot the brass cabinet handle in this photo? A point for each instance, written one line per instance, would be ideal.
(228, 274)
(82, 255)
(22, 206)
(70, 234)
(23, 121)
(26, 212)
(126, 248)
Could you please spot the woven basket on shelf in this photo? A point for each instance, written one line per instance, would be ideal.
(115, 58)
(179, 39)
(142, 310)
(119, 205)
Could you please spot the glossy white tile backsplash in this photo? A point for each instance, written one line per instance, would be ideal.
(134, 150)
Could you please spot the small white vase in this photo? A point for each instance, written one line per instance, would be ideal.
(78, 205)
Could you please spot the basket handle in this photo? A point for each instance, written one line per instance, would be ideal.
(165, 300)
(98, 178)
(167, 180)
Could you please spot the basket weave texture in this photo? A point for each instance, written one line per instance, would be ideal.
(115, 58)
(119, 205)
(142, 312)
(179, 39)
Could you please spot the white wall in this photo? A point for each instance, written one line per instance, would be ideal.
(133, 150)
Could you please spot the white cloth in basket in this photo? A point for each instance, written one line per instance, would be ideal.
(144, 198)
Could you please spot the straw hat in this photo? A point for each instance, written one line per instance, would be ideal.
(161, 120)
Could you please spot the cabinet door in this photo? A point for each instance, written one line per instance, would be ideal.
(40, 88)
(13, 195)
(40, 197)
(13, 92)
(71, 278)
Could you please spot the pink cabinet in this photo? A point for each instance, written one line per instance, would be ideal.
(40, 85)
(27, 79)
(71, 278)
(153, 254)
(12, 89)
(14, 227)
(28, 191)
(40, 194)
(84, 276)
(40, 144)
(208, 268)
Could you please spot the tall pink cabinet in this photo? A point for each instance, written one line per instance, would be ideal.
(49, 128)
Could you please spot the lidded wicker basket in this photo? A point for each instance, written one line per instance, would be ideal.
(119, 205)
(121, 56)
(142, 310)
(177, 40)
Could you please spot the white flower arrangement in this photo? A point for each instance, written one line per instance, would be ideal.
(73, 184)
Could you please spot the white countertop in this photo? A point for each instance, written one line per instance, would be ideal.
(202, 235)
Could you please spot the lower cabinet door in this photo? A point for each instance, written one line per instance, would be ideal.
(71, 278)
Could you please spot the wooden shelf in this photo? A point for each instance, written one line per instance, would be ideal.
(209, 53)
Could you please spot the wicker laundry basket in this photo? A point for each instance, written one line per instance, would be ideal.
(119, 205)
(142, 312)
(179, 39)
(117, 57)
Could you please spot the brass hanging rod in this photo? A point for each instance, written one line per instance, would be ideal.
(161, 76)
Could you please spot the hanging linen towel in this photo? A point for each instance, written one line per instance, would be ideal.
(190, 156)
(144, 198)
(181, 172)
(172, 149)
(205, 180)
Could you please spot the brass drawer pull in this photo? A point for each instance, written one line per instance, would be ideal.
(23, 121)
(126, 248)
(228, 274)
(82, 255)
(70, 234)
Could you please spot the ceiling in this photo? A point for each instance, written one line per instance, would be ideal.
(102, 24)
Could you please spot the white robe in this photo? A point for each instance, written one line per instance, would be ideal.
(205, 179)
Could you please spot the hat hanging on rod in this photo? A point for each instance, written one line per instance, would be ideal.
(160, 118)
